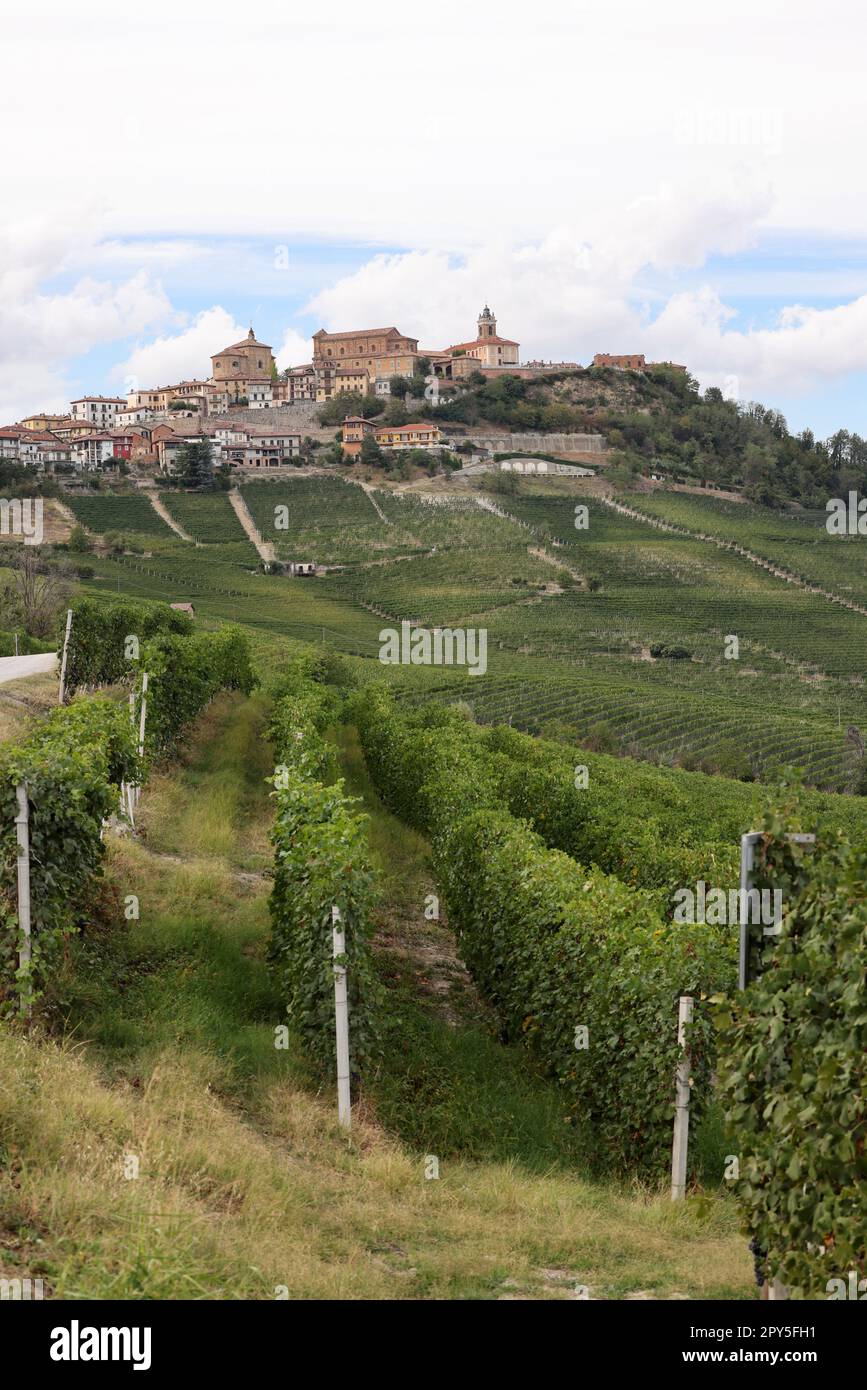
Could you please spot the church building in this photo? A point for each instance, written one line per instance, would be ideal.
(488, 348)
(238, 368)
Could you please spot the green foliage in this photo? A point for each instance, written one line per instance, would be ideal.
(126, 513)
(72, 766)
(344, 403)
(321, 861)
(27, 646)
(555, 946)
(370, 452)
(79, 541)
(97, 647)
(196, 465)
(186, 672)
(793, 1071)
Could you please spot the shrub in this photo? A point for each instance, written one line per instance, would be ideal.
(557, 948)
(321, 861)
(186, 672)
(97, 651)
(72, 766)
(793, 1074)
(554, 945)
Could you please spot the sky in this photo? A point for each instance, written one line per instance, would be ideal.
(677, 180)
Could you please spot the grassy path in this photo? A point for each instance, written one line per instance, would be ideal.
(162, 1147)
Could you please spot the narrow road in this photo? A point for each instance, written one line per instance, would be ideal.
(162, 511)
(12, 668)
(267, 551)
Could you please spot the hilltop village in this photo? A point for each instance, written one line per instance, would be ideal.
(255, 416)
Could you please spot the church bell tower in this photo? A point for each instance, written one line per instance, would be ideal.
(487, 324)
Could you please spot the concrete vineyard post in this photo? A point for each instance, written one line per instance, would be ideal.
(341, 1018)
(142, 723)
(22, 829)
(62, 691)
(681, 1105)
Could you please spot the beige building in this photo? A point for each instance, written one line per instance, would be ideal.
(377, 351)
(336, 381)
(41, 423)
(241, 364)
(422, 435)
(488, 349)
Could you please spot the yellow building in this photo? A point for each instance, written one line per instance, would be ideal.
(336, 381)
(421, 435)
(44, 422)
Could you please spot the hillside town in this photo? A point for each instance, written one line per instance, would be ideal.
(257, 417)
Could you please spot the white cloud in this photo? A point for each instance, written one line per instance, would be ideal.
(807, 348)
(183, 356)
(41, 330)
(541, 163)
(565, 299)
(293, 351)
(541, 118)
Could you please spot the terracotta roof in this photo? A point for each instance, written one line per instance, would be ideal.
(114, 400)
(480, 342)
(247, 343)
(402, 429)
(362, 333)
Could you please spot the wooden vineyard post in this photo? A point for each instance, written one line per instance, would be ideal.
(62, 691)
(680, 1145)
(341, 1018)
(22, 829)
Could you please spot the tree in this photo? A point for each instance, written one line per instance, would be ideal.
(196, 463)
(335, 411)
(79, 541)
(37, 591)
(370, 452)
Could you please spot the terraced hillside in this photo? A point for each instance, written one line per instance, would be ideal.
(798, 541)
(617, 635)
(210, 520)
(328, 520)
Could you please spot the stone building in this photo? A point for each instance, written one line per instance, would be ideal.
(381, 352)
(624, 362)
(247, 360)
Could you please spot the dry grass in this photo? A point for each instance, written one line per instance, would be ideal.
(225, 1210)
(246, 1184)
(24, 700)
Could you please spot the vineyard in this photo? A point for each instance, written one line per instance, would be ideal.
(797, 541)
(559, 891)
